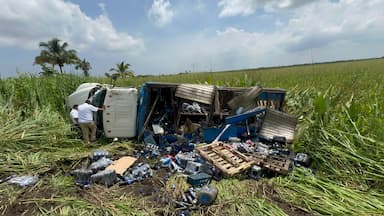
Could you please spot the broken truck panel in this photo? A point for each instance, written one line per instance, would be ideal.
(195, 92)
(246, 101)
(211, 133)
(278, 124)
(268, 96)
(244, 116)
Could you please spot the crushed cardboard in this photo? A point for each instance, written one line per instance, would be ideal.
(122, 164)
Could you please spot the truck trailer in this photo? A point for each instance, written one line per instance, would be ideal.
(168, 108)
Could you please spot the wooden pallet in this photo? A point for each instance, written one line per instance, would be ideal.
(227, 160)
(232, 162)
(277, 164)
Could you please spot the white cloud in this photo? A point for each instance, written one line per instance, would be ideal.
(324, 22)
(248, 7)
(26, 23)
(237, 7)
(328, 30)
(161, 12)
(332, 30)
(316, 25)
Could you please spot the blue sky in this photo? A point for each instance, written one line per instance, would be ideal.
(172, 36)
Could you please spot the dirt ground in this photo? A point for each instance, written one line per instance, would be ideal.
(150, 189)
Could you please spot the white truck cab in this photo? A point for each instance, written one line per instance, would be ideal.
(119, 117)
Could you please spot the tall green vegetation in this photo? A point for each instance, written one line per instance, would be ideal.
(321, 195)
(47, 71)
(28, 92)
(341, 114)
(55, 52)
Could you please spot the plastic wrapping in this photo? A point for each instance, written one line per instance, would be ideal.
(100, 164)
(193, 167)
(97, 154)
(140, 172)
(183, 158)
(192, 108)
(24, 181)
(82, 176)
(105, 177)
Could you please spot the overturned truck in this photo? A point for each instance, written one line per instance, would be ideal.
(129, 114)
(244, 127)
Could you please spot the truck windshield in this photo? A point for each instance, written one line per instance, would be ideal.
(98, 98)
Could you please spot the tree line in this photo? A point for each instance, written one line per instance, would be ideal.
(56, 53)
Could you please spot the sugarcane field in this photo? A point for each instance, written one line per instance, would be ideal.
(191, 108)
(229, 146)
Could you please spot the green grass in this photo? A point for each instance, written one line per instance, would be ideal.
(341, 113)
(319, 194)
(242, 197)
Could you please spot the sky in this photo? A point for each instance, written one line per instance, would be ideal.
(173, 36)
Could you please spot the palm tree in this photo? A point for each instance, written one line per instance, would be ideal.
(123, 70)
(85, 66)
(55, 53)
(113, 77)
(47, 71)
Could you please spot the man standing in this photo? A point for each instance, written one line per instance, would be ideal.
(74, 115)
(86, 120)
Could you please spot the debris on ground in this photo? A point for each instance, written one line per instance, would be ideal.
(100, 164)
(202, 133)
(82, 177)
(206, 195)
(23, 181)
(104, 177)
(122, 164)
(302, 159)
(138, 173)
(98, 154)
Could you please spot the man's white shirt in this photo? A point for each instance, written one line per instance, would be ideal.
(85, 112)
(74, 114)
